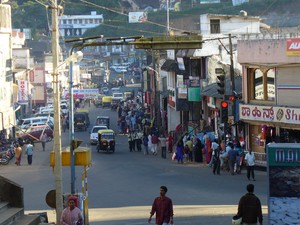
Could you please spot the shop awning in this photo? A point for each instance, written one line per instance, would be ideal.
(211, 90)
(170, 65)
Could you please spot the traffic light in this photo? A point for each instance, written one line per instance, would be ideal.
(221, 84)
(224, 112)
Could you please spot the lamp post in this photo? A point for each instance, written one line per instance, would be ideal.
(73, 58)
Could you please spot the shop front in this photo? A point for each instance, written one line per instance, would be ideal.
(269, 124)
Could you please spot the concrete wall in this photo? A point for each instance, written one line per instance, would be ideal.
(288, 86)
(11, 192)
(264, 52)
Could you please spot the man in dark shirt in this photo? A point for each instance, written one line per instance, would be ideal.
(232, 154)
(250, 208)
(163, 207)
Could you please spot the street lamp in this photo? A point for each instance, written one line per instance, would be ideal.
(75, 57)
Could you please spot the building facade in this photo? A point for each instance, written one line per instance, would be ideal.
(77, 25)
(271, 83)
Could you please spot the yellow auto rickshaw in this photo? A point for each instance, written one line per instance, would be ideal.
(106, 101)
(106, 140)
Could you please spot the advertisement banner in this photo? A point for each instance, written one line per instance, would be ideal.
(293, 47)
(22, 91)
(263, 113)
(81, 93)
(284, 194)
(137, 17)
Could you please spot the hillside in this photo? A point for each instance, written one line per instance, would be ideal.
(33, 14)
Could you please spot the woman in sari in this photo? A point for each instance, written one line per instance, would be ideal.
(18, 155)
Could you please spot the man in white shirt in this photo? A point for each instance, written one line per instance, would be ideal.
(250, 159)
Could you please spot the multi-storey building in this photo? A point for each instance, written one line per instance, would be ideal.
(76, 25)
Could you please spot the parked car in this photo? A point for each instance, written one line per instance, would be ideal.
(94, 134)
(35, 133)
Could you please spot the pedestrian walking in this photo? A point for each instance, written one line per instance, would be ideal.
(170, 143)
(250, 160)
(138, 141)
(145, 142)
(216, 157)
(179, 152)
(163, 145)
(130, 141)
(163, 208)
(154, 140)
(29, 152)
(44, 140)
(18, 155)
(64, 123)
(249, 208)
(72, 214)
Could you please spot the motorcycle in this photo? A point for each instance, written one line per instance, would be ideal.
(7, 155)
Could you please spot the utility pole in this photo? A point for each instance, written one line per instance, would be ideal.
(57, 124)
(233, 88)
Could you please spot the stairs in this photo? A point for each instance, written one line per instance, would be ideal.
(12, 205)
(15, 216)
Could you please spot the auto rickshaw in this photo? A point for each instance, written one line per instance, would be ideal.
(102, 120)
(87, 118)
(106, 141)
(106, 101)
(98, 100)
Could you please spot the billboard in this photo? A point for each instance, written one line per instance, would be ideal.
(209, 1)
(239, 2)
(137, 17)
(293, 47)
(284, 193)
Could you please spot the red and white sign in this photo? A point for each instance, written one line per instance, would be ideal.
(279, 114)
(293, 47)
(23, 91)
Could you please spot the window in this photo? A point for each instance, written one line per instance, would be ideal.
(75, 21)
(91, 20)
(262, 82)
(215, 26)
(80, 21)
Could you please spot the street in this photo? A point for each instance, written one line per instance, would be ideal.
(123, 185)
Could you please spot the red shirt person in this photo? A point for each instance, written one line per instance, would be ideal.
(163, 207)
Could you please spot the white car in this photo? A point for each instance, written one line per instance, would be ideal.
(94, 134)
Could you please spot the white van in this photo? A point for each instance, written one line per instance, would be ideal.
(27, 122)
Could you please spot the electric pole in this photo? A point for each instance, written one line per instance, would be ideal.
(57, 124)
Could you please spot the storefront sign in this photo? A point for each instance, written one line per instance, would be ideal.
(22, 91)
(293, 47)
(194, 82)
(284, 196)
(194, 94)
(82, 93)
(182, 93)
(278, 114)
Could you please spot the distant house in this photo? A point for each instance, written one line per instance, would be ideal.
(140, 5)
(77, 25)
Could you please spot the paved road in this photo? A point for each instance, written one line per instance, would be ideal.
(123, 185)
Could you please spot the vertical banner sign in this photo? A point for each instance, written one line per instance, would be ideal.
(284, 183)
(23, 91)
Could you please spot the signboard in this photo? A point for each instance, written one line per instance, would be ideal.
(137, 17)
(81, 93)
(209, 1)
(239, 2)
(284, 193)
(293, 47)
(194, 81)
(194, 94)
(263, 113)
(23, 91)
(182, 93)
